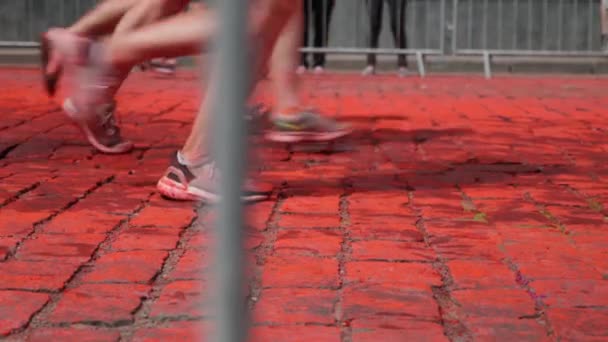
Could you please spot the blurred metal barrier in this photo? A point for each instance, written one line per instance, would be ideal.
(21, 22)
(555, 28)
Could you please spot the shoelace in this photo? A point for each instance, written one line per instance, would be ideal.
(108, 121)
(212, 170)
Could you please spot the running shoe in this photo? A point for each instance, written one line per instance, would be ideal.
(184, 183)
(369, 70)
(319, 70)
(98, 123)
(301, 70)
(165, 66)
(305, 126)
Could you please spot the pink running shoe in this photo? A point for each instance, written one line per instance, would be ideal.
(200, 183)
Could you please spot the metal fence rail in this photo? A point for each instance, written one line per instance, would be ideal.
(21, 22)
(526, 28)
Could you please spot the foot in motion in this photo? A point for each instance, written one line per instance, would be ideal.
(369, 70)
(165, 66)
(92, 107)
(200, 183)
(58, 46)
(99, 126)
(305, 126)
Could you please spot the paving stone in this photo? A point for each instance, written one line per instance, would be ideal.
(457, 209)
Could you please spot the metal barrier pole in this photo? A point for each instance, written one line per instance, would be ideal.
(590, 25)
(229, 146)
(443, 19)
(500, 25)
(484, 25)
(530, 22)
(455, 12)
(574, 29)
(487, 64)
(420, 63)
(470, 25)
(515, 23)
(30, 30)
(545, 24)
(560, 25)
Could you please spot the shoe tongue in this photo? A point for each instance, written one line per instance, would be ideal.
(107, 107)
(105, 111)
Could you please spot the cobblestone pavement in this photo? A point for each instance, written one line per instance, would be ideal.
(461, 209)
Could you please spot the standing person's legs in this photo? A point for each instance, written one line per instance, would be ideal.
(306, 14)
(322, 16)
(604, 23)
(397, 10)
(375, 22)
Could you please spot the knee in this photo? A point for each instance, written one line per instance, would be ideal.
(280, 7)
(165, 7)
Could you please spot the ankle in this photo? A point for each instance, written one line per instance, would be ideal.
(286, 112)
(192, 159)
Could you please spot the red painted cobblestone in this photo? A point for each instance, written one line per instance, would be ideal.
(175, 331)
(396, 329)
(461, 209)
(293, 271)
(126, 267)
(73, 334)
(95, 303)
(180, 298)
(17, 308)
(35, 275)
(293, 306)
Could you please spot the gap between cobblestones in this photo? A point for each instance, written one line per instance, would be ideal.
(7, 150)
(37, 225)
(591, 201)
(38, 319)
(451, 317)
(542, 209)
(343, 257)
(31, 118)
(141, 313)
(164, 111)
(540, 307)
(520, 279)
(263, 251)
(20, 193)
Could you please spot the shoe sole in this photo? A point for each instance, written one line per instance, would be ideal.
(176, 191)
(164, 71)
(49, 80)
(295, 137)
(70, 111)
